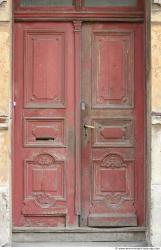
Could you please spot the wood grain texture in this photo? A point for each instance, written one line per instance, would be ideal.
(112, 164)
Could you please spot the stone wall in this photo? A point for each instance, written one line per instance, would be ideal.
(155, 223)
(5, 120)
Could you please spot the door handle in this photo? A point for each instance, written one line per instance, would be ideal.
(89, 126)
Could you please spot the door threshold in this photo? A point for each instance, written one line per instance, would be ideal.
(129, 234)
(77, 229)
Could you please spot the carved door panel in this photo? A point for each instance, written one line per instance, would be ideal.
(112, 125)
(43, 175)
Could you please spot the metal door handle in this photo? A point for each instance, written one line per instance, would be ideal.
(89, 126)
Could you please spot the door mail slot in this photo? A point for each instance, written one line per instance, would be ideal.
(46, 132)
(44, 138)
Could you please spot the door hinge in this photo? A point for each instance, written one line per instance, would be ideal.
(12, 104)
(83, 106)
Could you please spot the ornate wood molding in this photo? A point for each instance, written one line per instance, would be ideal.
(77, 37)
(77, 26)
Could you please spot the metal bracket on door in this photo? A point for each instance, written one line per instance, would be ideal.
(83, 106)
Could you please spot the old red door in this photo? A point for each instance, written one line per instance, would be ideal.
(43, 175)
(50, 186)
(112, 125)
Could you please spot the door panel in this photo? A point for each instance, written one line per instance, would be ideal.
(113, 67)
(113, 125)
(44, 69)
(43, 176)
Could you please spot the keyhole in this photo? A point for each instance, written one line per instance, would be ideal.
(86, 134)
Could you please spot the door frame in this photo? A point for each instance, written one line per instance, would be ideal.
(77, 27)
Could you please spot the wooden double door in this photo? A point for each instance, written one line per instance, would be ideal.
(78, 125)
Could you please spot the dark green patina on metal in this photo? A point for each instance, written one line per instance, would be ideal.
(28, 3)
(108, 3)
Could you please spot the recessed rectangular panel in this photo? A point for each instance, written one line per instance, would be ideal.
(112, 3)
(44, 69)
(44, 184)
(113, 180)
(28, 3)
(44, 132)
(112, 69)
(46, 178)
(113, 132)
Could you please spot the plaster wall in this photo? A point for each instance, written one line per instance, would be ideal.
(5, 120)
(155, 210)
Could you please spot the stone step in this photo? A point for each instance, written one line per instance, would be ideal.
(79, 244)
